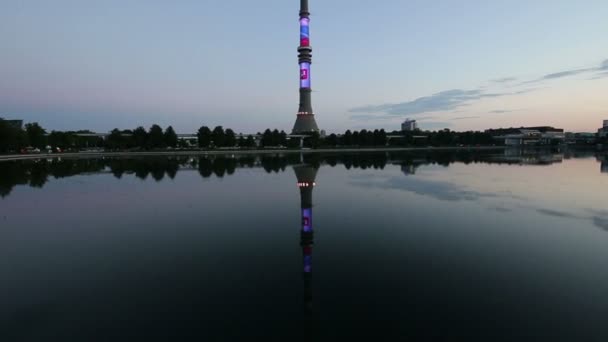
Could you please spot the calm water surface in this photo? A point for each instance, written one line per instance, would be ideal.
(434, 246)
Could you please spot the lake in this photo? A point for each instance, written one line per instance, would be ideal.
(493, 246)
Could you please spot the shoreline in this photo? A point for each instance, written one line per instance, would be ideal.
(13, 157)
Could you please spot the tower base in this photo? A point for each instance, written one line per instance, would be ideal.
(305, 124)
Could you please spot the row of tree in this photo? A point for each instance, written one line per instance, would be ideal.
(33, 135)
(139, 138)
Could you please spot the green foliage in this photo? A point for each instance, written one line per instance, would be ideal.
(140, 137)
(250, 142)
(266, 138)
(11, 138)
(204, 137)
(313, 141)
(331, 140)
(230, 138)
(36, 135)
(63, 140)
(115, 140)
(218, 136)
(156, 138)
(347, 138)
(170, 137)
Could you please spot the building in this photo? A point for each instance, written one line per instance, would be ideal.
(533, 137)
(505, 131)
(18, 124)
(603, 132)
(305, 121)
(409, 125)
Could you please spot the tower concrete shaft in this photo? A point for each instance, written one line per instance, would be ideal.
(305, 121)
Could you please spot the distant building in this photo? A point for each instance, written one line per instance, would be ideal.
(534, 137)
(603, 132)
(512, 130)
(409, 125)
(582, 138)
(18, 124)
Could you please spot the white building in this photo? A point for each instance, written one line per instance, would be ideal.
(534, 137)
(409, 125)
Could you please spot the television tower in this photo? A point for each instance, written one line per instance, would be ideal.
(305, 122)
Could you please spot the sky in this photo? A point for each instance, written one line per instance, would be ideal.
(463, 65)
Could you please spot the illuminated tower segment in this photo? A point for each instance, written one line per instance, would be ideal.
(305, 122)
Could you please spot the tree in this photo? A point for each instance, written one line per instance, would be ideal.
(36, 135)
(250, 142)
(276, 137)
(140, 137)
(283, 138)
(313, 141)
(115, 140)
(156, 138)
(218, 136)
(62, 140)
(230, 138)
(204, 137)
(170, 137)
(356, 138)
(331, 140)
(11, 138)
(241, 141)
(266, 138)
(347, 138)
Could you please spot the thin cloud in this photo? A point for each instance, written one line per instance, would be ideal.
(455, 99)
(503, 111)
(567, 73)
(504, 80)
(443, 101)
(466, 118)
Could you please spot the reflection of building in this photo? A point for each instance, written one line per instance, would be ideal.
(408, 169)
(604, 164)
(306, 181)
(409, 125)
(523, 157)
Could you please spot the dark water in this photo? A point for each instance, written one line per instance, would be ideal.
(433, 246)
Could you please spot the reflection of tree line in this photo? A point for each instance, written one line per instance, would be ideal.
(37, 173)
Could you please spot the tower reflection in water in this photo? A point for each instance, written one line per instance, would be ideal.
(306, 182)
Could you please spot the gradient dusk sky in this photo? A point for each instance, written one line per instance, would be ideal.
(450, 64)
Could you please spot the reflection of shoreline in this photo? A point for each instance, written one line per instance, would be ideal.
(36, 173)
(239, 152)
